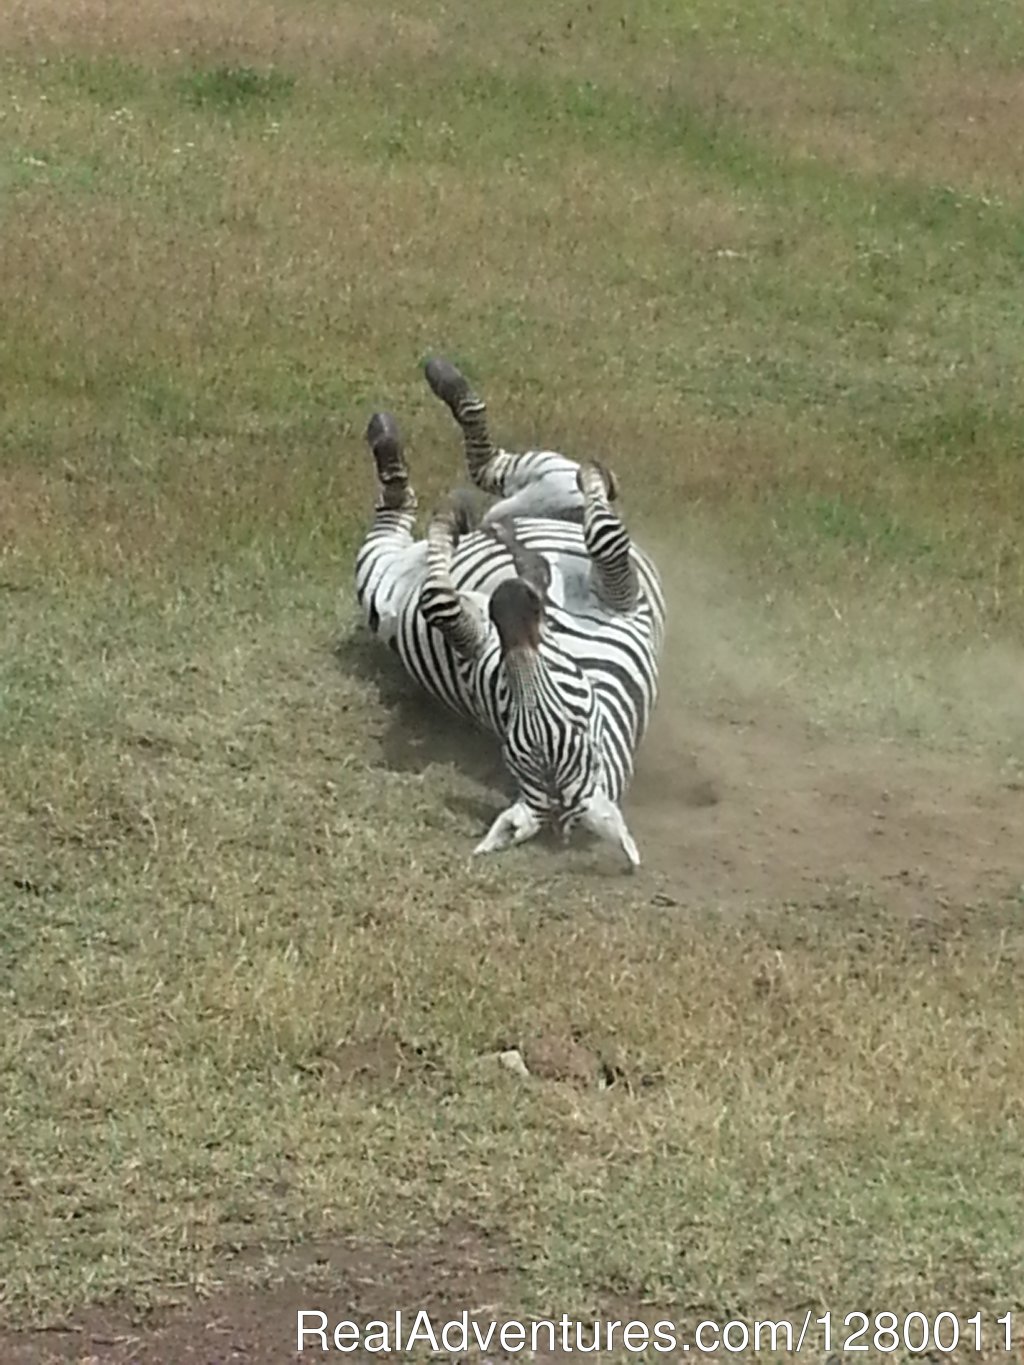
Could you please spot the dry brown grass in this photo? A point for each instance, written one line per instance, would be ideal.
(311, 34)
(939, 113)
(234, 856)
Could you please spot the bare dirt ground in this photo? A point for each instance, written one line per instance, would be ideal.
(741, 802)
(353, 1281)
(750, 800)
(758, 804)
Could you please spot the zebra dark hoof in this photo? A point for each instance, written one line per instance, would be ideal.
(606, 475)
(384, 439)
(446, 382)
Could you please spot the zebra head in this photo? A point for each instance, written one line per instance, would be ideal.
(552, 744)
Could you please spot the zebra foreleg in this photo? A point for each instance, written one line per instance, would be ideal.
(534, 483)
(394, 492)
(389, 561)
(615, 577)
(456, 616)
(513, 826)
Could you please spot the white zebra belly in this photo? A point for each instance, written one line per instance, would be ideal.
(481, 564)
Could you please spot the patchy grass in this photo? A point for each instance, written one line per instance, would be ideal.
(234, 87)
(737, 252)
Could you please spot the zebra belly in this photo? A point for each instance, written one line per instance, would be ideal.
(480, 563)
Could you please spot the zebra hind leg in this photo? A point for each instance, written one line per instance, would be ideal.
(470, 412)
(608, 542)
(530, 483)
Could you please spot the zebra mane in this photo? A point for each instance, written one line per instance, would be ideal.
(464, 508)
(531, 566)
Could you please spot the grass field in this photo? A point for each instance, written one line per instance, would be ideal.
(766, 260)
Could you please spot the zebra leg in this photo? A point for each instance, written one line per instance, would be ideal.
(456, 616)
(603, 818)
(395, 493)
(390, 559)
(608, 542)
(513, 826)
(531, 483)
(470, 412)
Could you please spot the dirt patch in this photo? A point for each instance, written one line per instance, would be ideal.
(752, 803)
(554, 1057)
(748, 799)
(458, 1269)
(385, 1060)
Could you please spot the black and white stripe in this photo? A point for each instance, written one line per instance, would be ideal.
(570, 713)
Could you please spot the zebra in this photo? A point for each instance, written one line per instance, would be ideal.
(541, 623)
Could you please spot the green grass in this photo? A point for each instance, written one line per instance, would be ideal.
(765, 259)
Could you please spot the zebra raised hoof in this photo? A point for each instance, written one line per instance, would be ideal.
(536, 483)
(384, 440)
(542, 629)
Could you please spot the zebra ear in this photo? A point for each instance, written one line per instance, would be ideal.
(536, 570)
(530, 565)
(608, 478)
(602, 817)
(513, 826)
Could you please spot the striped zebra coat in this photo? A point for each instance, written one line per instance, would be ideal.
(543, 625)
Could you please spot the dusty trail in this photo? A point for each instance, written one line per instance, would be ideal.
(750, 802)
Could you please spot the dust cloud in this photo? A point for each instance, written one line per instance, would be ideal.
(765, 777)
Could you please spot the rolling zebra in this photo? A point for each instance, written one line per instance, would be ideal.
(543, 624)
